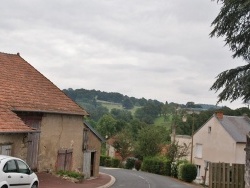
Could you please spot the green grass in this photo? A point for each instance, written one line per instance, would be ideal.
(160, 122)
(111, 105)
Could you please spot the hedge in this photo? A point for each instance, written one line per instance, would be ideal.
(187, 172)
(156, 165)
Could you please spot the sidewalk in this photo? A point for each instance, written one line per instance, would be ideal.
(47, 180)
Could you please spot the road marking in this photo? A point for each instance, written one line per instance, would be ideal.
(143, 179)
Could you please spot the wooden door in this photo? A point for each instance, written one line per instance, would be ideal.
(87, 164)
(32, 120)
(64, 159)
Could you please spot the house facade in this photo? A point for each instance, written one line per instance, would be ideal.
(38, 122)
(221, 139)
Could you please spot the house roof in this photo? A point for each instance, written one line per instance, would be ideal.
(23, 88)
(94, 131)
(237, 126)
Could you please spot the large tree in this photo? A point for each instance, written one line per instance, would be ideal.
(233, 23)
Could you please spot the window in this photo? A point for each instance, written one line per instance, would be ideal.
(198, 151)
(209, 129)
(198, 170)
(10, 166)
(23, 168)
(5, 149)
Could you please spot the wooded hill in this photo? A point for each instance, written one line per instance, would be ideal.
(110, 112)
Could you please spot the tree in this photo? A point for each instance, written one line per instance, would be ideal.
(177, 152)
(106, 126)
(127, 103)
(150, 140)
(233, 23)
(123, 143)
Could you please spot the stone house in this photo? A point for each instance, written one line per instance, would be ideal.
(221, 139)
(39, 123)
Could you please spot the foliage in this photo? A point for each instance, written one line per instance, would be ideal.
(187, 172)
(130, 163)
(108, 162)
(176, 152)
(123, 143)
(103, 159)
(127, 103)
(149, 140)
(157, 165)
(106, 126)
(71, 174)
(233, 23)
(135, 126)
(149, 112)
(138, 165)
(235, 83)
(115, 163)
(124, 115)
(174, 167)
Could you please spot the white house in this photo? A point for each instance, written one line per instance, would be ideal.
(221, 139)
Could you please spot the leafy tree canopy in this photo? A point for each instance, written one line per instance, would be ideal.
(233, 23)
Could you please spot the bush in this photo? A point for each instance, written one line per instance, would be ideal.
(174, 167)
(157, 165)
(187, 172)
(108, 162)
(103, 159)
(130, 163)
(115, 163)
(137, 165)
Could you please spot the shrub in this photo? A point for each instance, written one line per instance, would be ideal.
(187, 172)
(71, 174)
(115, 163)
(103, 159)
(157, 165)
(108, 162)
(137, 165)
(174, 167)
(130, 163)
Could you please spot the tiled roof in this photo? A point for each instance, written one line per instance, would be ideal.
(23, 88)
(10, 122)
(237, 126)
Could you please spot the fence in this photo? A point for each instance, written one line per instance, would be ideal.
(222, 175)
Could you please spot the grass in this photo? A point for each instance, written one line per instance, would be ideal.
(112, 105)
(160, 122)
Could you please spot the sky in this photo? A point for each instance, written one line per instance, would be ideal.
(156, 49)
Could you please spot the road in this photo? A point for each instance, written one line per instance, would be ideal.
(138, 179)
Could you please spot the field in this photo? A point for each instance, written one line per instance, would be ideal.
(111, 105)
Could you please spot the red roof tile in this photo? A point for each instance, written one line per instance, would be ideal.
(23, 88)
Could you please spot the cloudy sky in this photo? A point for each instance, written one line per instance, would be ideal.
(156, 49)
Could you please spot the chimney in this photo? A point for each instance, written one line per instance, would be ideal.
(219, 115)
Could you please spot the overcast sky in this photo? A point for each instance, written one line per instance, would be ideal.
(156, 49)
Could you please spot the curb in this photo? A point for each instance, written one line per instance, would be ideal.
(110, 183)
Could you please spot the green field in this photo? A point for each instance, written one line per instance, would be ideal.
(111, 105)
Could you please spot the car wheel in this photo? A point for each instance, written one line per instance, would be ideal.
(34, 185)
(4, 186)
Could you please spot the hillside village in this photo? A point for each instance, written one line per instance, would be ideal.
(81, 132)
(207, 135)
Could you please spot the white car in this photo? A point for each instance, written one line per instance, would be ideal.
(15, 173)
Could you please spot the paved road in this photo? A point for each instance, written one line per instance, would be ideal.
(131, 179)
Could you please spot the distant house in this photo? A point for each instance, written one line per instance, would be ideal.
(221, 139)
(39, 123)
(184, 142)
